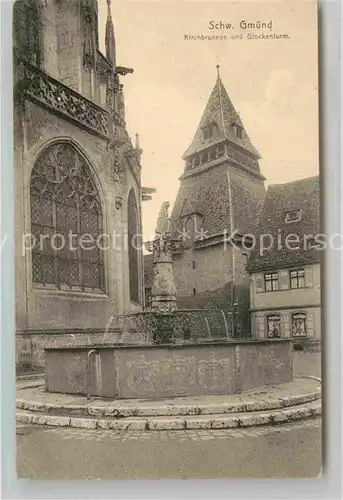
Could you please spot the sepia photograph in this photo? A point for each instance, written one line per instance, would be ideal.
(168, 239)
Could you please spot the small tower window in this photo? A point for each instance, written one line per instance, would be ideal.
(293, 216)
(204, 158)
(239, 132)
(196, 161)
(208, 131)
(221, 149)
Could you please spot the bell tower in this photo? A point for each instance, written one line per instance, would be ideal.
(220, 196)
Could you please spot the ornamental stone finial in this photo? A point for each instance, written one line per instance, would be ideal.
(163, 222)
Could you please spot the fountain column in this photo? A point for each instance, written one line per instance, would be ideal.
(163, 290)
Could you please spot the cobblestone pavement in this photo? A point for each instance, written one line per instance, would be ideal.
(179, 435)
(292, 450)
(307, 363)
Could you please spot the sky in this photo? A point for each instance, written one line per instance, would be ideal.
(272, 84)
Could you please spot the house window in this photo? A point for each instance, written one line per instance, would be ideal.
(297, 278)
(299, 325)
(274, 326)
(194, 291)
(26, 30)
(271, 282)
(193, 264)
(196, 161)
(66, 220)
(293, 216)
(132, 233)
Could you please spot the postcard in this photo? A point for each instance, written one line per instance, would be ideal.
(168, 239)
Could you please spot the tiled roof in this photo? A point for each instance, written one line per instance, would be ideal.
(300, 195)
(220, 110)
(148, 270)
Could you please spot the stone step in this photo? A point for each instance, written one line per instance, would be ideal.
(218, 421)
(300, 391)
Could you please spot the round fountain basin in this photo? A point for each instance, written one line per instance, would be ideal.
(147, 370)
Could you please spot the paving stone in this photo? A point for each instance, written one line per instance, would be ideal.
(252, 420)
(83, 423)
(198, 423)
(166, 424)
(57, 421)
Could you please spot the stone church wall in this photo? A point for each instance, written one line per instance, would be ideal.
(39, 308)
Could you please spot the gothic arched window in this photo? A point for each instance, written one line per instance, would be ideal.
(192, 229)
(133, 242)
(26, 33)
(66, 221)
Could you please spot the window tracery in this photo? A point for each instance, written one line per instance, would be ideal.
(66, 221)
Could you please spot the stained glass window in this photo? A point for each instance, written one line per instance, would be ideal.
(26, 33)
(66, 221)
(133, 246)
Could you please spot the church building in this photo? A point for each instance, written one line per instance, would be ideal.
(76, 172)
(219, 201)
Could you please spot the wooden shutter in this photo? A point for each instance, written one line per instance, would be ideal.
(309, 325)
(284, 280)
(285, 326)
(308, 277)
(259, 283)
(261, 326)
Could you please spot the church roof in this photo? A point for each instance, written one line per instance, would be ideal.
(220, 112)
(291, 208)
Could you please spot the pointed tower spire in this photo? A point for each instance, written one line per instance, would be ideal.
(110, 41)
(218, 74)
(220, 123)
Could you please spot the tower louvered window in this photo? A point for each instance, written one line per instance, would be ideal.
(133, 242)
(26, 32)
(66, 221)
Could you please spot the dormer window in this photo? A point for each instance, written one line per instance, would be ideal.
(208, 131)
(293, 216)
(239, 132)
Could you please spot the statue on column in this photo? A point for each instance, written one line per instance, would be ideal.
(163, 290)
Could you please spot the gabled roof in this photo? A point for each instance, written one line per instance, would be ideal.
(302, 195)
(221, 112)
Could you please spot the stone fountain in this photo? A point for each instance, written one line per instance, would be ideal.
(164, 351)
